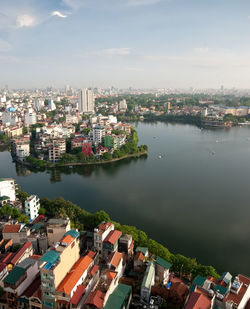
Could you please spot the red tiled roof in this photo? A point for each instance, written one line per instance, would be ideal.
(96, 299)
(20, 252)
(11, 228)
(103, 226)
(131, 245)
(236, 298)
(78, 294)
(38, 219)
(2, 266)
(91, 254)
(139, 256)
(113, 237)
(94, 270)
(110, 275)
(198, 301)
(67, 239)
(114, 258)
(8, 257)
(35, 257)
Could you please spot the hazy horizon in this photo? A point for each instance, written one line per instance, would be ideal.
(125, 43)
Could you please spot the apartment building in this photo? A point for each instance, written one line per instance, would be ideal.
(56, 228)
(55, 264)
(32, 206)
(57, 149)
(100, 234)
(8, 188)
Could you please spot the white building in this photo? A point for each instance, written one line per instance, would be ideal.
(22, 150)
(30, 118)
(98, 133)
(9, 118)
(86, 101)
(8, 188)
(112, 119)
(51, 105)
(32, 205)
(123, 105)
(38, 104)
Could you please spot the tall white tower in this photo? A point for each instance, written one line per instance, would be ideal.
(86, 101)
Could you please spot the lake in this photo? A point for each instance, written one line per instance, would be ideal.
(191, 193)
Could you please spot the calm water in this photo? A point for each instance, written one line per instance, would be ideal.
(194, 200)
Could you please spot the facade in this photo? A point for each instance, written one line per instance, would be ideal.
(57, 149)
(110, 243)
(100, 234)
(162, 270)
(17, 232)
(17, 281)
(30, 118)
(98, 133)
(55, 264)
(8, 188)
(32, 206)
(22, 150)
(86, 101)
(38, 105)
(51, 105)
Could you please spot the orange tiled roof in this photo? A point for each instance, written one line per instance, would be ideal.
(139, 256)
(11, 228)
(96, 299)
(114, 258)
(113, 237)
(75, 274)
(198, 301)
(110, 275)
(67, 239)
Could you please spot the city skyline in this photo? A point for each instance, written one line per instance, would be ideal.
(137, 43)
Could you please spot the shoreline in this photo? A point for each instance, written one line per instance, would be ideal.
(53, 165)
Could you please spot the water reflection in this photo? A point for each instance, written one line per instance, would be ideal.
(108, 169)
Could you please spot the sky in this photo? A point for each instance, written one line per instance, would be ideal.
(125, 43)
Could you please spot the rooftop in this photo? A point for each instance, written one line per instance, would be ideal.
(163, 262)
(78, 294)
(118, 297)
(96, 298)
(72, 278)
(114, 258)
(198, 301)
(113, 237)
(14, 275)
(12, 228)
(149, 273)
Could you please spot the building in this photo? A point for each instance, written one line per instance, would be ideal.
(30, 119)
(56, 228)
(17, 232)
(98, 133)
(110, 243)
(77, 275)
(17, 281)
(162, 270)
(32, 205)
(57, 149)
(100, 234)
(123, 105)
(148, 282)
(22, 150)
(38, 105)
(8, 188)
(86, 101)
(51, 105)
(120, 298)
(55, 264)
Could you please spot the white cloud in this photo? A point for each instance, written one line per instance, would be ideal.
(116, 51)
(59, 14)
(25, 21)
